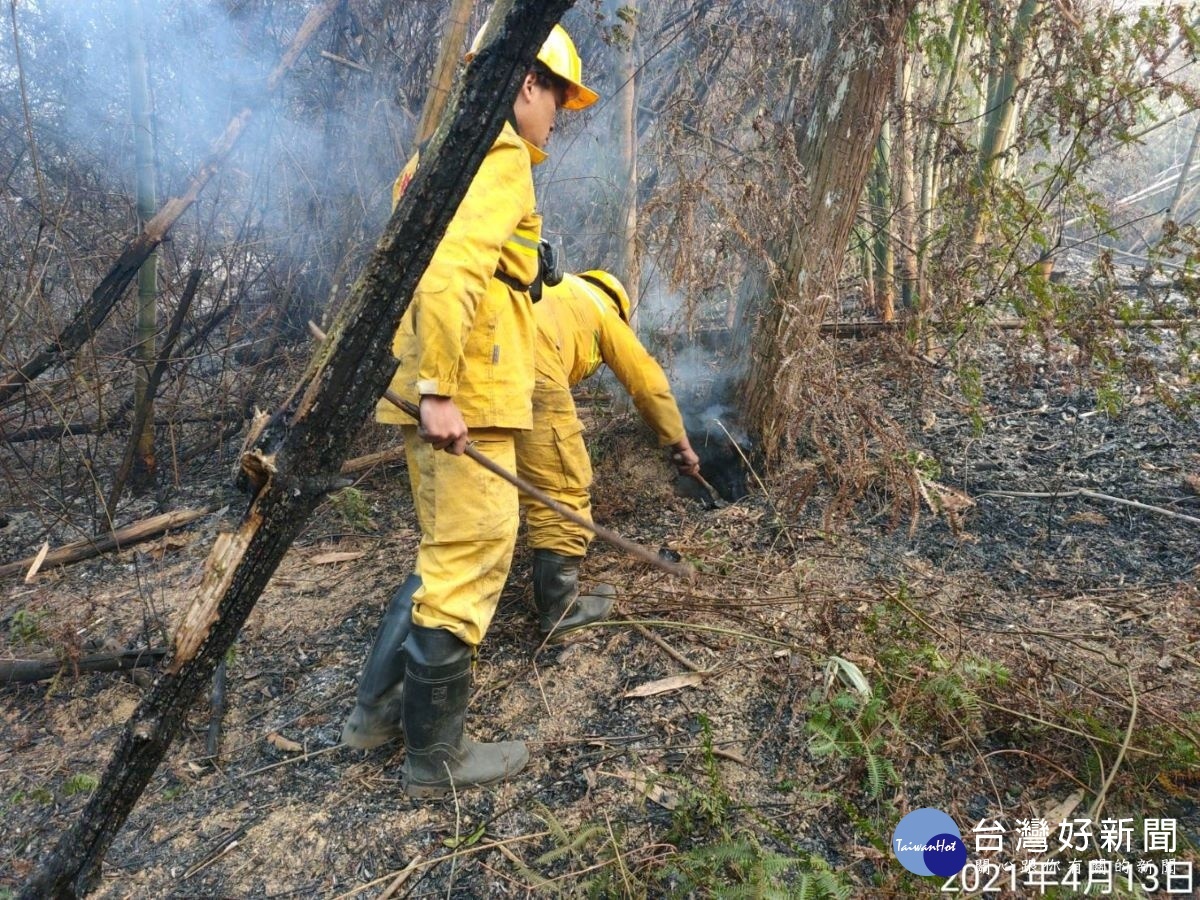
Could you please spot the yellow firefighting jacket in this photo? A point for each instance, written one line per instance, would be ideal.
(468, 334)
(578, 329)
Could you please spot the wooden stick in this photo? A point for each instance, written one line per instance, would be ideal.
(361, 463)
(713, 495)
(478, 848)
(663, 645)
(14, 671)
(1094, 495)
(645, 554)
(119, 539)
(341, 60)
(401, 878)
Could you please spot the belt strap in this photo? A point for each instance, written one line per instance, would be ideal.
(533, 290)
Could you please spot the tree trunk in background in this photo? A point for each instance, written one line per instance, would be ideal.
(946, 88)
(453, 40)
(142, 474)
(867, 262)
(883, 219)
(626, 263)
(295, 459)
(853, 60)
(1002, 112)
(906, 180)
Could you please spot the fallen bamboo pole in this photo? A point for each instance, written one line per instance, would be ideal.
(17, 671)
(854, 328)
(114, 540)
(645, 554)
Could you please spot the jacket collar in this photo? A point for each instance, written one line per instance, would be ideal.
(536, 154)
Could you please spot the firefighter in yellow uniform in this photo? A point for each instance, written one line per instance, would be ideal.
(582, 322)
(465, 347)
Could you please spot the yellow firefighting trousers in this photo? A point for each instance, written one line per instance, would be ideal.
(554, 458)
(468, 519)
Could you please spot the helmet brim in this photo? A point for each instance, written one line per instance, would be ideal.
(580, 97)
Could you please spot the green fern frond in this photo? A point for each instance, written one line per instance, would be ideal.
(556, 829)
(573, 845)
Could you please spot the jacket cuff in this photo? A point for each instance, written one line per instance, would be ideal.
(433, 386)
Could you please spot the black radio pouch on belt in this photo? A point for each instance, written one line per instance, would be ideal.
(550, 272)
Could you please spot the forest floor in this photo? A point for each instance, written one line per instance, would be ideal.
(1022, 657)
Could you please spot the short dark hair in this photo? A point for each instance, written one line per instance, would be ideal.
(548, 79)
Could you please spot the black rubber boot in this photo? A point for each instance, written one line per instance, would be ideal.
(439, 758)
(376, 716)
(561, 608)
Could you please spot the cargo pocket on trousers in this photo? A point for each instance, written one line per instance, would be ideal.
(472, 504)
(573, 455)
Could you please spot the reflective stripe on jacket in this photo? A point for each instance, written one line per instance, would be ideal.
(579, 329)
(467, 335)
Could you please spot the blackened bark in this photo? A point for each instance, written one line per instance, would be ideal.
(298, 455)
(144, 411)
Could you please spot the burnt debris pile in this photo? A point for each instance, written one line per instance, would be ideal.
(724, 449)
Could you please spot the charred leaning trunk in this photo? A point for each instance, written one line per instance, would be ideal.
(853, 58)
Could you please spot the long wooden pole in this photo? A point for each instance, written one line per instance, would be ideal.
(113, 540)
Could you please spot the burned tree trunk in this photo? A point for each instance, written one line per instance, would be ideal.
(143, 412)
(296, 458)
(104, 297)
(15, 671)
(141, 439)
(443, 71)
(853, 60)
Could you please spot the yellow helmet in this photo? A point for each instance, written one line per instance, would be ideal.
(558, 54)
(612, 286)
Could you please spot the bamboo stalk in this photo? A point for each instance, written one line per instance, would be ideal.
(14, 671)
(448, 56)
(113, 540)
(1093, 495)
